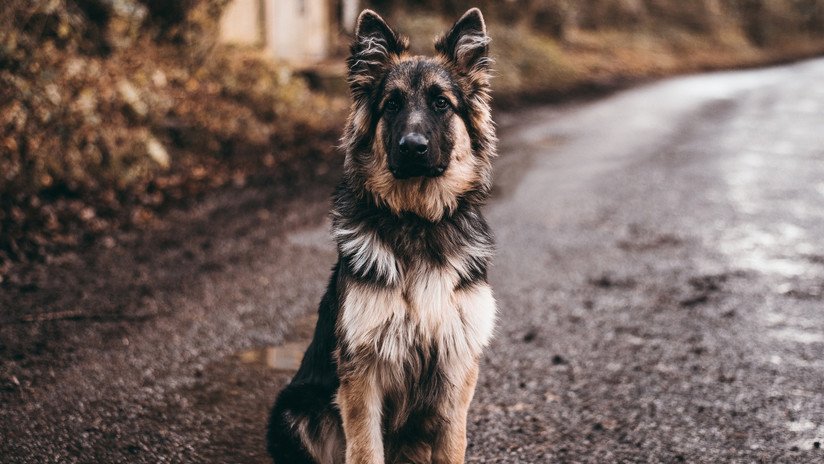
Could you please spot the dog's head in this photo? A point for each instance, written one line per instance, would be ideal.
(420, 135)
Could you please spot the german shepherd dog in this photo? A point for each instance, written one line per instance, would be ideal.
(392, 367)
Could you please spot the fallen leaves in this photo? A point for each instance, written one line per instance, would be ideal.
(102, 126)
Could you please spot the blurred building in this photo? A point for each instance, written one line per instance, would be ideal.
(294, 31)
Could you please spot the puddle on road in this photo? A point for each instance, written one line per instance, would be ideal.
(809, 435)
(284, 357)
(785, 328)
(766, 251)
(801, 426)
(797, 335)
(287, 356)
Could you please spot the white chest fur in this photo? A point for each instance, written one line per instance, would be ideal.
(424, 308)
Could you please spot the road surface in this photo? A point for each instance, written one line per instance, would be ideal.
(660, 278)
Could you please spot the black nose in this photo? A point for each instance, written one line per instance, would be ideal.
(414, 143)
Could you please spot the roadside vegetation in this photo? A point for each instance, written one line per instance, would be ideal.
(547, 49)
(112, 110)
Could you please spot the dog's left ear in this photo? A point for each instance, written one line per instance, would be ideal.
(466, 44)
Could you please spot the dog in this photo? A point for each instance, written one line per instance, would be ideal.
(391, 369)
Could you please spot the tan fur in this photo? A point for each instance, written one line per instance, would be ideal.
(382, 324)
(360, 403)
(451, 445)
(429, 198)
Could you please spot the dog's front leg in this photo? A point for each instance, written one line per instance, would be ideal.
(361, 407)
(450, 444)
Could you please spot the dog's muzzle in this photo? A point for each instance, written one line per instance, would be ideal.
(415, 158)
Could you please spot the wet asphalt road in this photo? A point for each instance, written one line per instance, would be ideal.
(660, 280)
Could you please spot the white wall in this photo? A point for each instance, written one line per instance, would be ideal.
(297, 30)
(349, 14)
(241, 23)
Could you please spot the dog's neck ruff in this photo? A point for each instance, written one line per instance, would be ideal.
(381, 247)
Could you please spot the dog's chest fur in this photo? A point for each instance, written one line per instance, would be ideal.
(426, 311)
(417, 294)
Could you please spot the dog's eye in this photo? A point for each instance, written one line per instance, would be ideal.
(392, 106)
(441, 103)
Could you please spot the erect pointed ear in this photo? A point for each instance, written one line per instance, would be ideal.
(466, 44)
(375, 47)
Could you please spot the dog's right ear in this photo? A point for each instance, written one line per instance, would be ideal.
(466, 44)
(375, 47)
